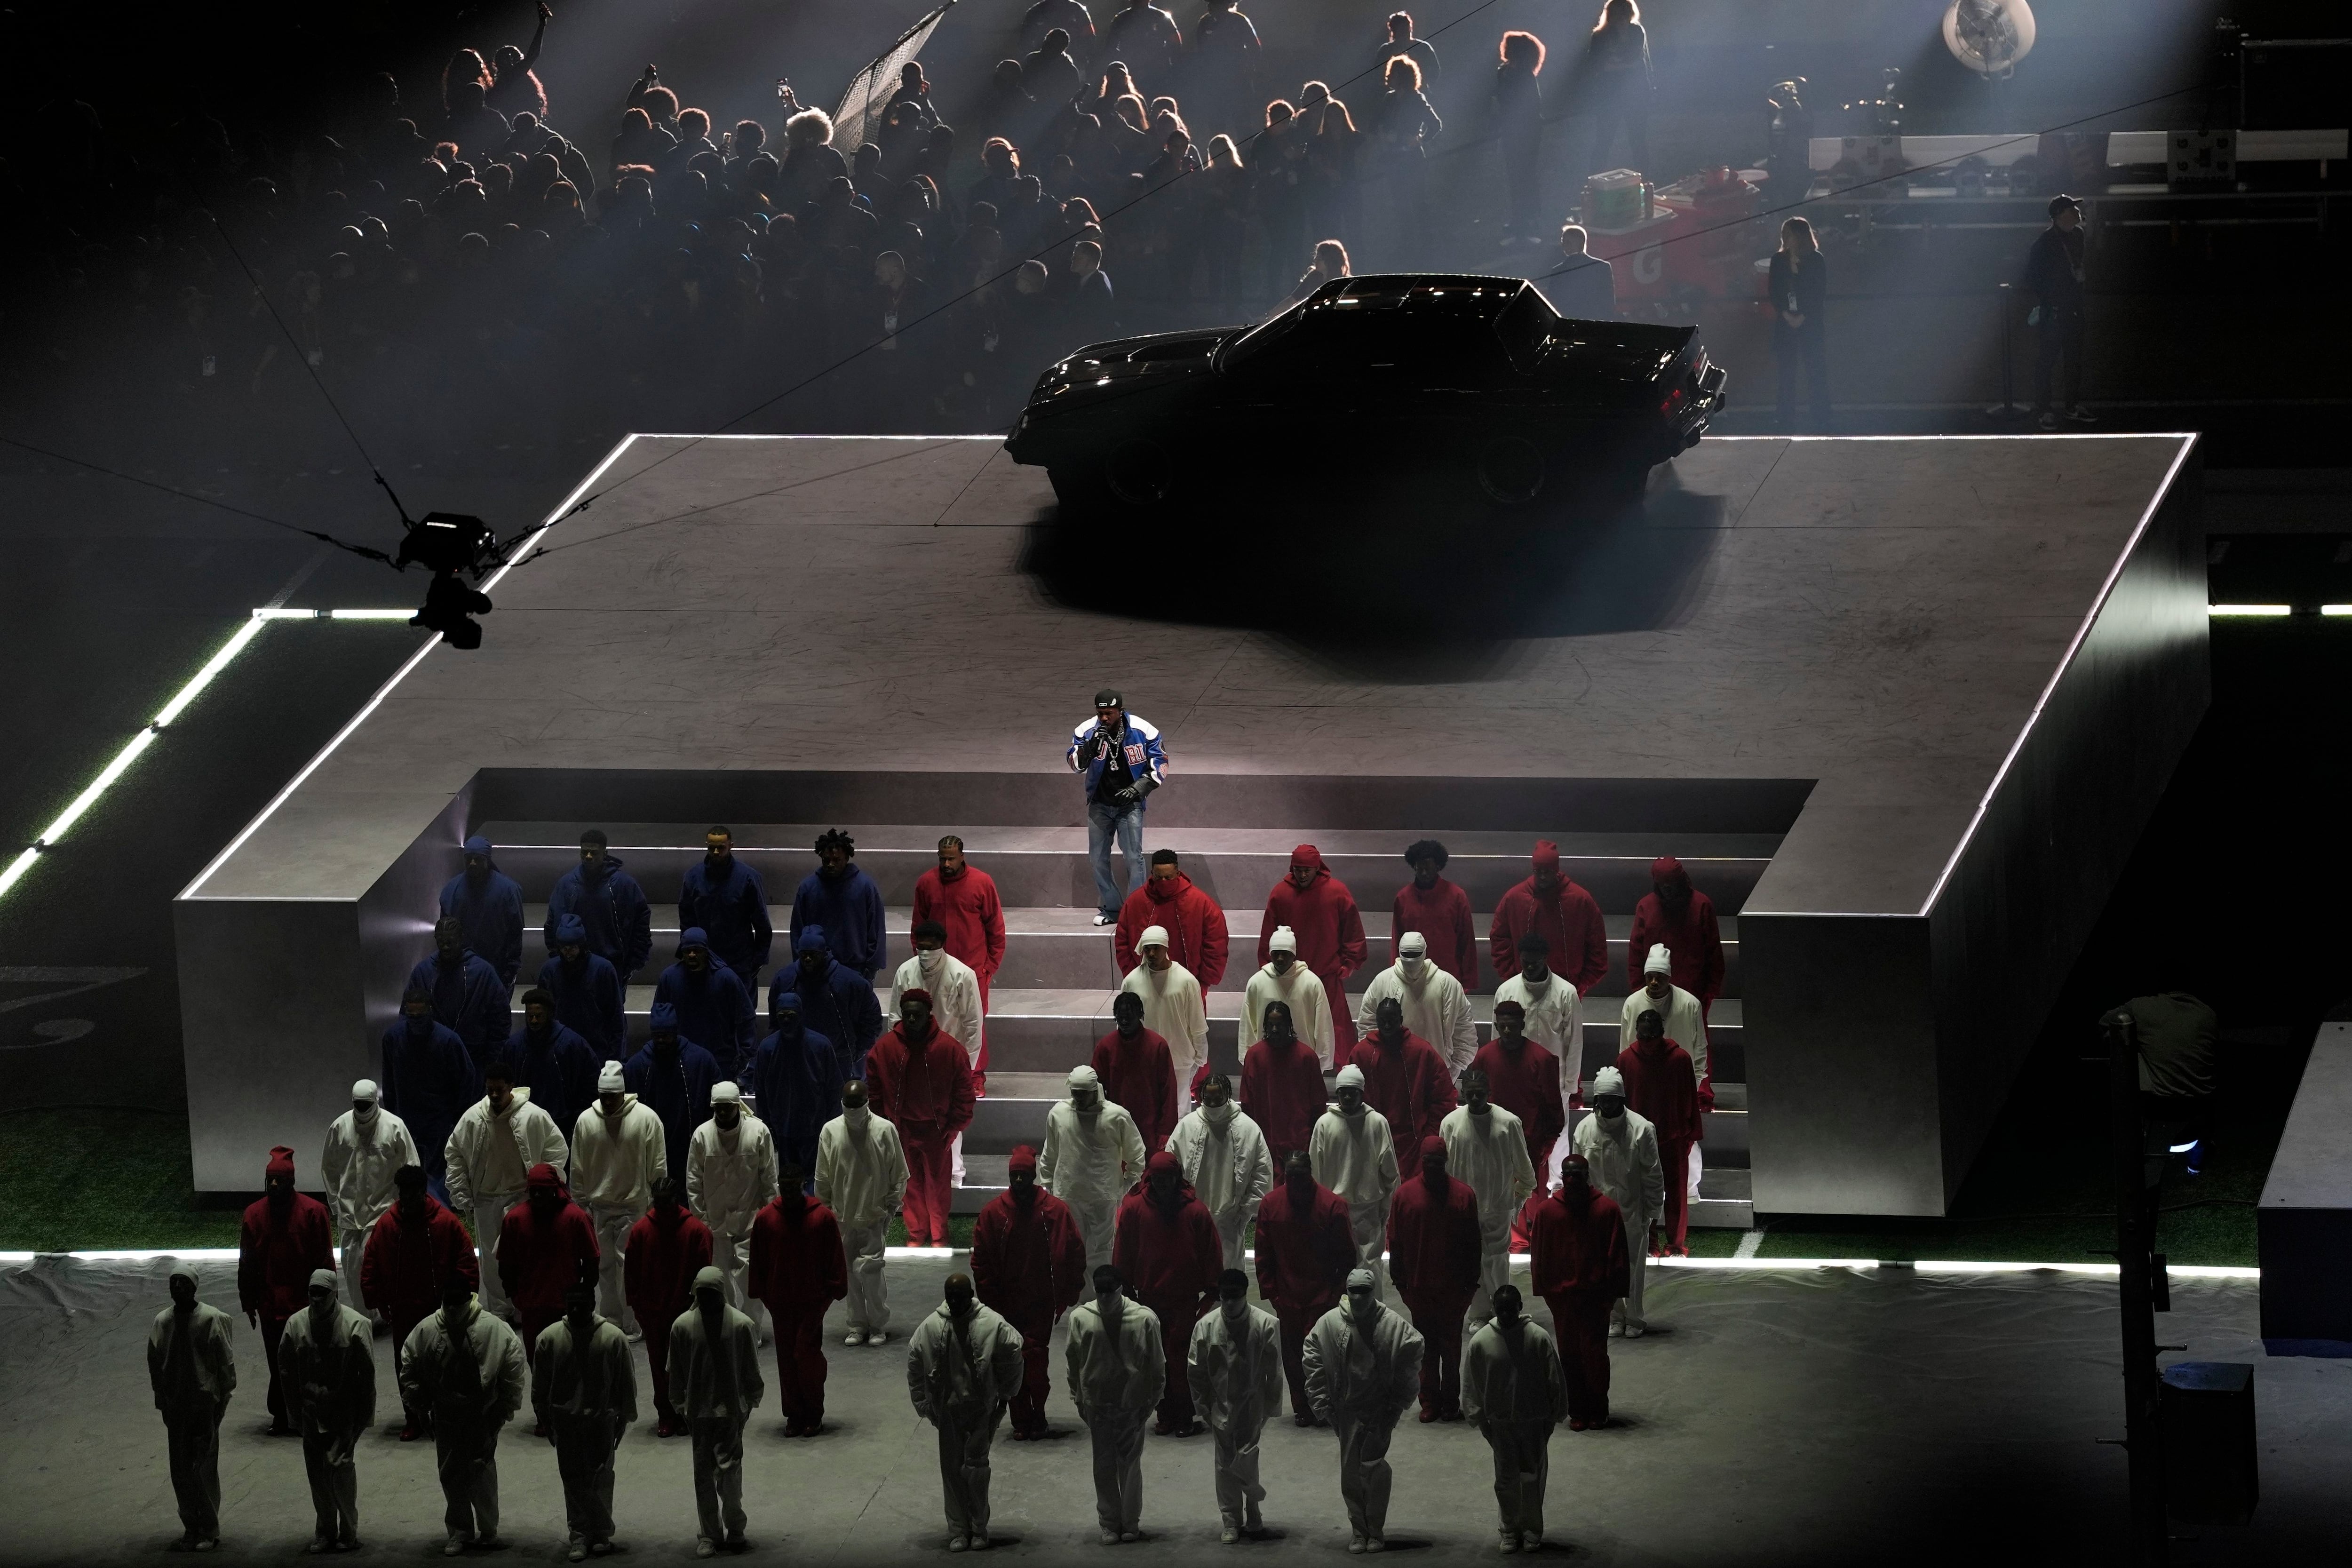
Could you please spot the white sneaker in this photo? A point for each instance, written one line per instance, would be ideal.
(1635, 1330)
(853, 1338)
(1102, 920)
(978, 1541)
(878, 1337)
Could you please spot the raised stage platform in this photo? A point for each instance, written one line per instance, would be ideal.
(1901, 705)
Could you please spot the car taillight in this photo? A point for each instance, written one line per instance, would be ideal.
(1674, 401)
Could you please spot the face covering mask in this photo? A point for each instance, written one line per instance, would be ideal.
(1218, 1116)
(856, 1114)
(1416, 970)
(931, 958)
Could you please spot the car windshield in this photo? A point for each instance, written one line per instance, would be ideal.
(1524, 326)
(1241, 350)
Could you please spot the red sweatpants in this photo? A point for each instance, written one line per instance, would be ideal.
(1440, 1327)
(1176, 1321)
(1036, 1364)
(1580, 1327)
(1343, 1017)
(931, 1187)
(1295, 1323)
(1542, 1164)
(657, 1328)
(403, 1323)
(1675, 1158)
(800, 1362)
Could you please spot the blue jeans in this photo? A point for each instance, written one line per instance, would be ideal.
(1103, 820)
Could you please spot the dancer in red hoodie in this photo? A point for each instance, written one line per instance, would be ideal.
(1578, 1267)
(1554, 908)
(1660, 1085)
(1196, 925)
(1322, 914)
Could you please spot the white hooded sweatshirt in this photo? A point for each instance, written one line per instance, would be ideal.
(616, 1159)
(955, 996)
(1236, 1370)
(1118, 1366)
(1355, 1156)
(1624, 1154)
(490, 1154)
(1435, 1006)
(1310, 1008)
(359, 1163)
(1490, 1153)
(1224, 1157)
(861, 1171)
(730, 1176)
(1174, 1009)
(1555, 1021)
(1678, 1010)
(1090, 1161)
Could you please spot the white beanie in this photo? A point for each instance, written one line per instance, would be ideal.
(1660, 961)
(1608, 1081)
(365, 1090)
(1153, 936)
(1282, 941)
(1351, 1077)
(1083, 1077)
(726, 1092)
(1413, 944)
(610, 1079)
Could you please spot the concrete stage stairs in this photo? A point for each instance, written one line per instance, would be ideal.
(1051, 999)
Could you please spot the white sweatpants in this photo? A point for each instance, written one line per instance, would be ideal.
(612, 1224)
(1097, 1225)
(1233, 1455)
(1370, 1224)
(869, 1298)
(489, 1213)
(733, 1255)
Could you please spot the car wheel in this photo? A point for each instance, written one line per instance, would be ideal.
(1511, 470)
(1141, 472)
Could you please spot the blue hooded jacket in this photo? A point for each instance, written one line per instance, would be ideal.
(839, 1005)
(468, 996)
(490, 912)
(848, 910)
(613, 909)
(794, 1074)
(711, 1006)
(678, 1089)
(731, 908)
(589, 998)
(561, 1069)
(429, 1078)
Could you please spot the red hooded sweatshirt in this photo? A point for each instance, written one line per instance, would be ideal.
(1443, 915)
(1660, 1085)
(797, 1263)
(1196, 925)
(1580, 1243)
(281, 1244)
(1028, 1260)
(1140, 1075)
(542, 1256)
(660, 1259)
(922, 1087)
(968, 906)
(404, 1266)
(1282, 1089)
(1169, 1255)
(1570, 919)
(1305, 1249)
(1526, 1084)
(1692, 938)
(1410, 1084)
(1434, 1242)
(1325, 919)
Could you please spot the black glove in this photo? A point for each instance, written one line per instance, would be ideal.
(1126, 797)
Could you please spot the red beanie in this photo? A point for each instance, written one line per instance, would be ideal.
(1547, 854)
(1666, 868)
(1022, 1158)
(281, 1163)
(1433, 1145)
(543, 1179)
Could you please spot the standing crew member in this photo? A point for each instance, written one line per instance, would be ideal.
(587, 990)
(1435, 1254)
(1660, 1085)
(546, 1246)
(668, 1248)
(619, 1151)
(1321, 914)
(616, 922)
(837, 1002)
(1406, 1080)
(1235, 1369)
(286, 1237)
(839, 899)
(327, 1358)
(1798, 289)
(956, 1007)
(714, 1376)
(1092, 1156)
(1620, 1149)
(1306, 1249)
(1119, 757)
(487, 904)
(673, 1075)
(1675, 913)
(714, 1010)
(796, 1079)
(1523, 1078)
(1513, 1390)
(1028, 1263)
(1486, 1147)
(963, 1364)
(1116, 1364)
(1173, 1006)
(1281, 1085)
(464, 1368)
(1284, 982)
(1364, 1363)
(428, 1077)
(1352, 1154)
(1166, 1247)
(491, 1155)
(730, 1174)
(1435, 907)
(415, 1251)
(1434, 1003)
(2055, 275)
(725, 898)
(552, 1061)
(366, 1147)
(1137, 1071)
(1224, 1157)
(861, 1176)
(1549, 905)
(1578, 1268)
(467, 995)
(193, 1372)
(921, 1079)
(1193, 925)
(798, 1270)
(584, 1388)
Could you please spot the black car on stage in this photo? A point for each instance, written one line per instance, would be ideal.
(1477, 379)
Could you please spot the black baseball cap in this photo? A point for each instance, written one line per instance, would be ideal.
(1106, 697)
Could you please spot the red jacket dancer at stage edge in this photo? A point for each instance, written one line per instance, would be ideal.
(1282, 1087)
(962, 898)
(1322, 914)
(1564, 914)
(547, 1243)
(798, 1270)
(412, 1252)
(1029, 1264)
(1679, 915)
(1440, 911)
(665, 1251)
(1433, 1250)
(1138, 1073)
(1305, 1245)
(1196, 925)
(1167, 1249)
(1579, 1268)
(285, 1236)
(919, 1080)
(1660, 1085)
(1405, 1080)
